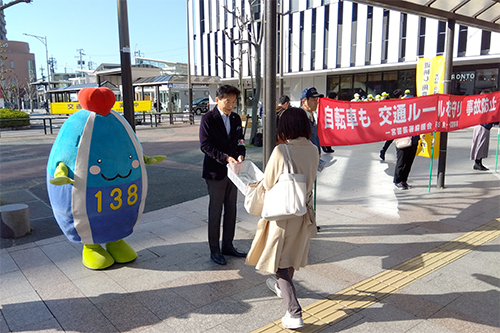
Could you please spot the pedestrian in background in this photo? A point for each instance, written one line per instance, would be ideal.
(309, 103)
(281, 247)
(480, 143)
(222, 142)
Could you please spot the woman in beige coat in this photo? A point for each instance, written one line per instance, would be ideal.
(281, 247)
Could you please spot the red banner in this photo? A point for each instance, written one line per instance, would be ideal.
(343, 123)
(457, 112)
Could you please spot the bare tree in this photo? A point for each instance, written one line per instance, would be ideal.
(12, 3)
(30, 92)
(250, 32)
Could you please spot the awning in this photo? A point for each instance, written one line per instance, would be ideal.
(176, 79)
(482, 14)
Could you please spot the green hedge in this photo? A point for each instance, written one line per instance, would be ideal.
(13, 114)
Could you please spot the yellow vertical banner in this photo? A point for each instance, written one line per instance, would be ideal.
(430, 81)
(425, 145)
(430, 76)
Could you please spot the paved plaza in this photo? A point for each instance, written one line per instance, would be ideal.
(385, 260)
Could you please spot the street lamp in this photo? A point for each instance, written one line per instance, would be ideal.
(44, 41)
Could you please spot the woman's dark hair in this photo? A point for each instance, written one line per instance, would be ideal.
(284, 99)
(225, 90)
(293, 124)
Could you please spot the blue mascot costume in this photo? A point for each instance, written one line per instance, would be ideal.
(97, 181)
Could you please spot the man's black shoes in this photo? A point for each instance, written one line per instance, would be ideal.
(218, 258)
(231, 251)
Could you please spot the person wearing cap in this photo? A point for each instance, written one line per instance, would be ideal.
(407, 94)
(356, 98)
(384, 96)
(369, 98)
(309, 103)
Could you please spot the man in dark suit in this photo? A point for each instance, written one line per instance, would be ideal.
(222, 142)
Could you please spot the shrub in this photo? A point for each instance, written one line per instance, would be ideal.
(19, 118)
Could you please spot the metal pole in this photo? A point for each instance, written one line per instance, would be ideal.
(49, 76)
(443, 143)
(269, 80)
(190, 87)
(281, 48)
(126, 67)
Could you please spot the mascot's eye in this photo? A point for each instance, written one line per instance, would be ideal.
(99, 160)
(130, 156)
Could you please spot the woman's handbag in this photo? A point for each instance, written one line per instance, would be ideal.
(288, 197)
(403, 142)
(254, 198)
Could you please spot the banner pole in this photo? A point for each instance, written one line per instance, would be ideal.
(496, 157)
(432, 160)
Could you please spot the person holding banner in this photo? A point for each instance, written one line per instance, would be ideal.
(480, 143)
(396, 94)
(405, 157)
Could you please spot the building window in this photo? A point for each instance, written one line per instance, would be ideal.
(209, 65)
(421, 37)
(385, 36)
(294, 6)
(374, 84)
(12, 64)
(332, 83)
(485, 42)
(290, 42)
(369, 30)
(462, 40)
(354, 32)
(486, 79)
(209, 4)
(339, 33)
(406, 80)
(313, 39)
(441, 37)
(326, 36)
(359, 85)
(301, 43)
(256, 10)
(402, 33)
(202, 16)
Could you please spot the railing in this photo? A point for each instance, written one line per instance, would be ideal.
(48, 122)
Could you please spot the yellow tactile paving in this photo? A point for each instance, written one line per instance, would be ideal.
(339, 306)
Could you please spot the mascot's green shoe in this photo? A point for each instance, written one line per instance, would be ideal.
(95, 257)
(121, 251)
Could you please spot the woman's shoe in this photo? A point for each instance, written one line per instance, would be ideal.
(292, 323)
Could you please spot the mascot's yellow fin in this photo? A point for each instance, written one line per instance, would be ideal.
(61, 175)
(153, 159)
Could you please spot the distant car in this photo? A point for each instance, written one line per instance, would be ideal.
(199, 106)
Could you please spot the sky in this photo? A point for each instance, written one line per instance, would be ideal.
(157, 29)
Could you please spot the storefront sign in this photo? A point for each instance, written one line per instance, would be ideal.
(343, 123)
(72, 107)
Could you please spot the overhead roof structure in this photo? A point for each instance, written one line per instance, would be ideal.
(176, 79)
(482, 14)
